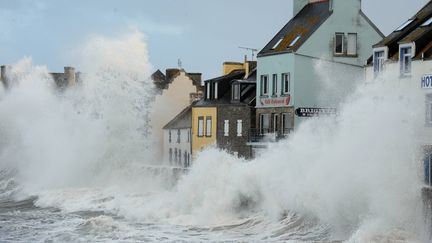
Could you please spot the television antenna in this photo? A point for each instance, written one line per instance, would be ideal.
(252, 50)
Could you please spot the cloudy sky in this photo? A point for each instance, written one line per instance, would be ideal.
(202, 33)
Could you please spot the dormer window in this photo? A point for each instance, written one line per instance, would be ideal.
(236, 92)
(404, 25)
(215, 90)
(406, 53)
(208, 90)
(379, 58)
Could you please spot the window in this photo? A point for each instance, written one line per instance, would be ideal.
(215, 90)
(277, 43)
(200, 126)
(286, 123)
(428, 169)
(264, 123)
(428, 113)
(274, 84)
(294, 41)
(339, 43)
(264, 85)
(188, 136)
(185, 161)
(179, 156)
(226, 128)
(404, 25)
(352, 44)
(170, 155)
(405, 55)
(178, 135)
(236, 92)
(378, 62)
(239, 128)
(208, 126)
(427, 23)
(175, 155)
(169, 136)
(275, 122)
(286, 83)
(208, 90)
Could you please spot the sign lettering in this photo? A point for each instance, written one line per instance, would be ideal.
(311, 112)
(426, 81)
(284, 101)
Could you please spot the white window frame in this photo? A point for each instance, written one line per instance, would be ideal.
(402, 63)
(349, 52)
(236, 92)
(226, 128)
(274, 84)
(264, 85)
(239, 128)
(286, 83)
(428, 111)
(378, 65)
(201, 126)
(275, 122)
(208, 126)
(262, 128)
(285, 126)
(216, 85)
(208, 88)
(335, 42)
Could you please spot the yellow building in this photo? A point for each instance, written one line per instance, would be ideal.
(205, 124)
(203, 128)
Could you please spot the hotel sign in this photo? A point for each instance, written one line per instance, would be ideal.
(283, 101)
(311, 112)
(426, 81)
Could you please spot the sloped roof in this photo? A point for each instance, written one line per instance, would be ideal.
(413, 32)
(302, 26)
(182, 120)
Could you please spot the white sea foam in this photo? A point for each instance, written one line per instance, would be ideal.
(351, 177)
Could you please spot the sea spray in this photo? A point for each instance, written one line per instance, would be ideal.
(354, 176)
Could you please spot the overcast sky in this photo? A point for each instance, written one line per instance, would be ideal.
(202, 33)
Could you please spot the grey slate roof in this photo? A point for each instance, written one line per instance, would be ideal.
(304, 24)
(182, 120)
(413, 32)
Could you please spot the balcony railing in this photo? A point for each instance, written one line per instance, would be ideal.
(257, 135)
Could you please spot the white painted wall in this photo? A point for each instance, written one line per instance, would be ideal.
(184, 145)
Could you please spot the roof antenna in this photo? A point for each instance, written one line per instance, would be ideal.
(179, 63)
(252, 50)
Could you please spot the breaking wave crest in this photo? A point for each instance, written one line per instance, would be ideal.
(83, 157)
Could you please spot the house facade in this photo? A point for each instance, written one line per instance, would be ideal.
(407, 54)
(63, 80)
(225, 114)
(177, 149)
(324, 36)
(176, 89)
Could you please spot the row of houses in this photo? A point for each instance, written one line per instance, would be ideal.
(258, 102)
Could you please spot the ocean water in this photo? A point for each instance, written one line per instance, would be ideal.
(78, 166)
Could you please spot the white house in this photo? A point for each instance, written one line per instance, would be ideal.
(177, 140)
(407, 52)
(304, 69)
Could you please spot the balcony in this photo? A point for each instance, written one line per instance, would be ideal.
(266, 135)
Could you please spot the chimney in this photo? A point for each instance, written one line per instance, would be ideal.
(298, 5)
(3, 76)
(70, 77)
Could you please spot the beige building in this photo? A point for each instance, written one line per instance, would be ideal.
(176, 89)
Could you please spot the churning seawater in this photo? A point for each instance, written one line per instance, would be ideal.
(78, 165)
